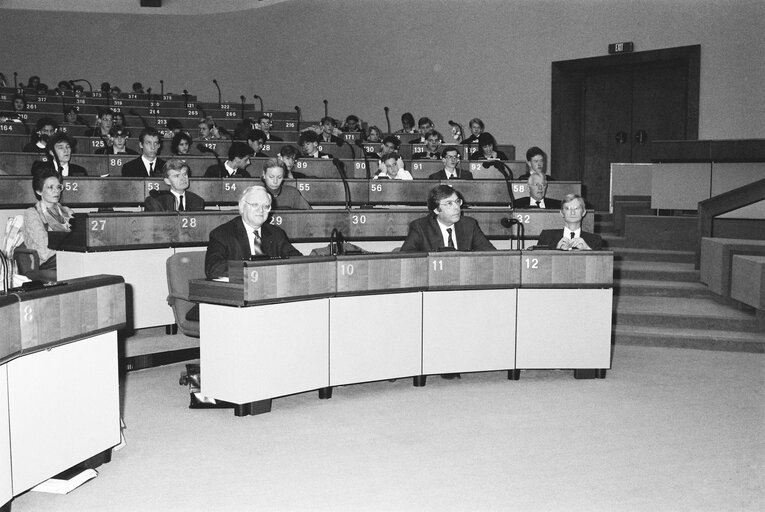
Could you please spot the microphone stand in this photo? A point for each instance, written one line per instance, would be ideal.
(387, 117)
(15, 80)
(217, 87)
(204, 149)
(255, 96)
(326, 108)
(297, 109)
(144, 122)
(242, 100)
(509, 222)
(84, 80)
(185, 98)
(341, 170)
(506, 173)
(161, 87)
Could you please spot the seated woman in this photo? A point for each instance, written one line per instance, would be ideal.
(374, 134)
(181, 144)
(58, 154)
(283, 197)
(46, 215)
(487, 149)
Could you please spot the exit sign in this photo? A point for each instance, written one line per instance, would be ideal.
(621, 47)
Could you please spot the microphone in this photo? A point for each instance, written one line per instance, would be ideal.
(82, 80)
(457, 125)
(297, 109)
(336, 242)
(204, 149)
(135, 113)
(506, 173)
(161, 87)
(217, 87)
(185, 98)
(326, 108)
(255, 96)
(508, 222)
(15, 80)
(360, 144)
(340, 166)
(242, 99)
(387, 117)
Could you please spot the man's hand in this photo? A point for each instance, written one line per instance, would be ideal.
(569, 244)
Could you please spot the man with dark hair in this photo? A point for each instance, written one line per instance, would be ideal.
(58, 155)
(537, 194)
(103, 124)
(247, 235)
(138, 88)
(239, 155)
(266, 124)
(118, 137)
(44, 129)
(309, 141)
(451, 170)
(327, 134)
(178, 198)
(288, 156)
(536, 161)
(445, 227)
(571, 237)
(256, 140)
(148, 164)
(433, 140)
(407, 123)
(424, 125)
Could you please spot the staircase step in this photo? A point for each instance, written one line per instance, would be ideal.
(683, 313)
(635, 254)
(604, 227)
(656, 271)
(689, 338)
(653, 288)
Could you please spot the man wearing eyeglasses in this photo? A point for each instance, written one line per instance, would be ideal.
(446, 228)
(571, 237)
(247, 235)
(451, 170)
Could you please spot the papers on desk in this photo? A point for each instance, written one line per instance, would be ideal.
(221, 279)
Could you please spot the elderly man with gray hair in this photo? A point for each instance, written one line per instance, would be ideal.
(537, 194)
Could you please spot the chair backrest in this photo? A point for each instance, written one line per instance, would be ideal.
(181, 267)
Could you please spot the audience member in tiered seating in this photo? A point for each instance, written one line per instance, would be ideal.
(246, 236)
(391, 167)
(451, 170)
(46, 215)
(79, 91)
(174, 126)
(424, 125)
(71, 116)
(374, 134)
(3, 80)
(148, 164)
(181, 144)
(256, 140)
(34, 82)
(44, 128)
(309, 142)
(138, 88)
(487, 149)
(42, 89)
(118, 119)
(390, 144)
(536, 161)
(445, 226)
(476, 129)
(118, 137)
(352, 124)
(265, 124)
(19, 105)
(283, 197)
(328, 131)
(433, 141)
(407, 123)
(288, 156)
(571, 237)
(208, 130)
(58, 155)
(115, 92)
(239, 155)
(103, 126)
(64, 86)
(537, 194)
(178, 198)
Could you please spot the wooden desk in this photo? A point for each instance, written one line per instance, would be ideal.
(399, 315)
(59, 348)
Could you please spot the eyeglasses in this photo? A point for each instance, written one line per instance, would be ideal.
(451, 203)
(259, 207)
(54, 188)
(572, 208)
(452, 157)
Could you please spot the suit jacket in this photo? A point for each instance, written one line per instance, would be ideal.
(273, 138)
(526, 176)
(333, 139)
(165, 202)
(425, 236)
(551, 237)
(461, 175)
(219, 171)
(525, 202)
(229, 242)
(136, 169)
(74, 169)
(128, 151)
(427, 155)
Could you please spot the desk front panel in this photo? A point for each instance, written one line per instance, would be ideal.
(257, 353)
(468, 331)
(6, 486)
(379, 224)
(375, 337)
(490, 269)
(10, 312)
(564, 328)
(381, 273)
(64, 405)
(566, 268)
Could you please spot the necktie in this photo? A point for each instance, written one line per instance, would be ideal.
(151, 168)
(537, 204)
(181, 207)
(572, 234)
(258, 249)
(451, 241)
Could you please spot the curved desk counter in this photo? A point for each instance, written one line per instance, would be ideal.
(59, 385)
(288, 326)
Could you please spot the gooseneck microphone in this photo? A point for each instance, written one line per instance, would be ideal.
(340, 166)
(15, 80)
(137, 114)
(161, 87)
(217, 87)
(326, 108)
(241, 98)
(297, 109)
(360, 144)
(255, 96)
(204, 149)
(462, 130)
(387, 117)
(185, 98)
(509, 222)
(506, 173)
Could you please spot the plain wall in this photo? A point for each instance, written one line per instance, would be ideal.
(447, 59)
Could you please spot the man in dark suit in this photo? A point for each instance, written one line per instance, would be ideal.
(309, 143)
(256, 139)
(147, 164)
(537, 194)
(424, 125)
(239, 155)
(327, 134)
(433, 141)
(536, 162)
(451, 171)
(118, 137)
(58, 155)
(178, 198)
(247, 235)
(571, 237)
(446, 227)
(266, 124)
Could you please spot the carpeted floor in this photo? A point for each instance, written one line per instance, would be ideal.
(668, 429)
